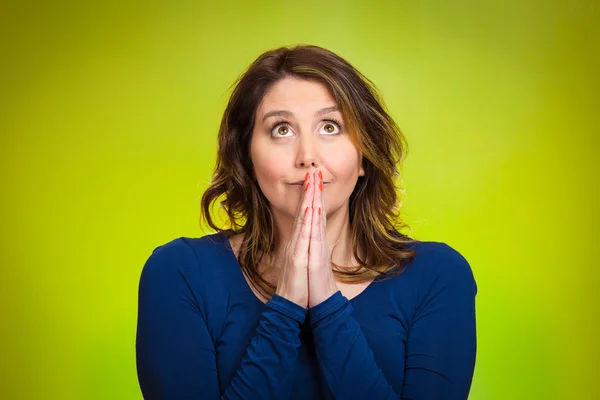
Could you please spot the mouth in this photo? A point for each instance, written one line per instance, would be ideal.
(301, 183)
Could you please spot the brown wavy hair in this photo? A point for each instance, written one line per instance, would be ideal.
(375, 221)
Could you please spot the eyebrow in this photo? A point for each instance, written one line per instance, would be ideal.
(285, 113)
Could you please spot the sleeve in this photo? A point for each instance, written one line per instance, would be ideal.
(441, 349)
(440, 353)
(346, 361)
(175, 353)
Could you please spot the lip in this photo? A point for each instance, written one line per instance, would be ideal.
(300, 183)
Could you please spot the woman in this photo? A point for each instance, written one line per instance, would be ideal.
(312, 293)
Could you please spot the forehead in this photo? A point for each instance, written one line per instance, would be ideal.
(296, 95)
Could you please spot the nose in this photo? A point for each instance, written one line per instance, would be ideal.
(307, 153)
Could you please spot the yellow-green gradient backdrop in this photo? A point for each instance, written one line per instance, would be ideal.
(108, 120)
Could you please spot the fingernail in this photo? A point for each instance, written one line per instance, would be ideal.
(321, 186)
(306, 177)
(307, 186)
(319, 210)
(320, 175)
(305, 211)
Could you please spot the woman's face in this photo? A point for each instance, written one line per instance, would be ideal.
(298, 129)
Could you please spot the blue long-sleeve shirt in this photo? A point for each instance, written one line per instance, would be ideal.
(203, 334)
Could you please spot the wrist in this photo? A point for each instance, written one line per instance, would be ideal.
(287, 307)
(319, 296)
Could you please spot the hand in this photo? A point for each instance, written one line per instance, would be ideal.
(293, 279)
(321, 284)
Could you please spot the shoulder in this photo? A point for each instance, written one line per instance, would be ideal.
(183, 255)
(438, 264)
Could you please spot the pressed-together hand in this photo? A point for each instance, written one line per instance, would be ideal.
(321, 284)
(306, 277)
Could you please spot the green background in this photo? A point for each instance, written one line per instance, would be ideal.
(108, 120)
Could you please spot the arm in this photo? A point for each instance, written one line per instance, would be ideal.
(175, 353)
(441, 349)
(440, 352)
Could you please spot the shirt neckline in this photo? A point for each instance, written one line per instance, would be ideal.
(229, 250)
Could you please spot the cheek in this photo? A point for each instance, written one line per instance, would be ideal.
(344, 163)
(268, 166)
(264, 160)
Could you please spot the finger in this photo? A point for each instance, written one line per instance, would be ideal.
(319, 203)
(302, 194)
(316, 246)
(323, 219)
(318, 190)
(305, 201)
(316, 239)
(319, 196)
(302, 243)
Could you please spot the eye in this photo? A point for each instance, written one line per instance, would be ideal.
(280, 129)
(331, 128)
